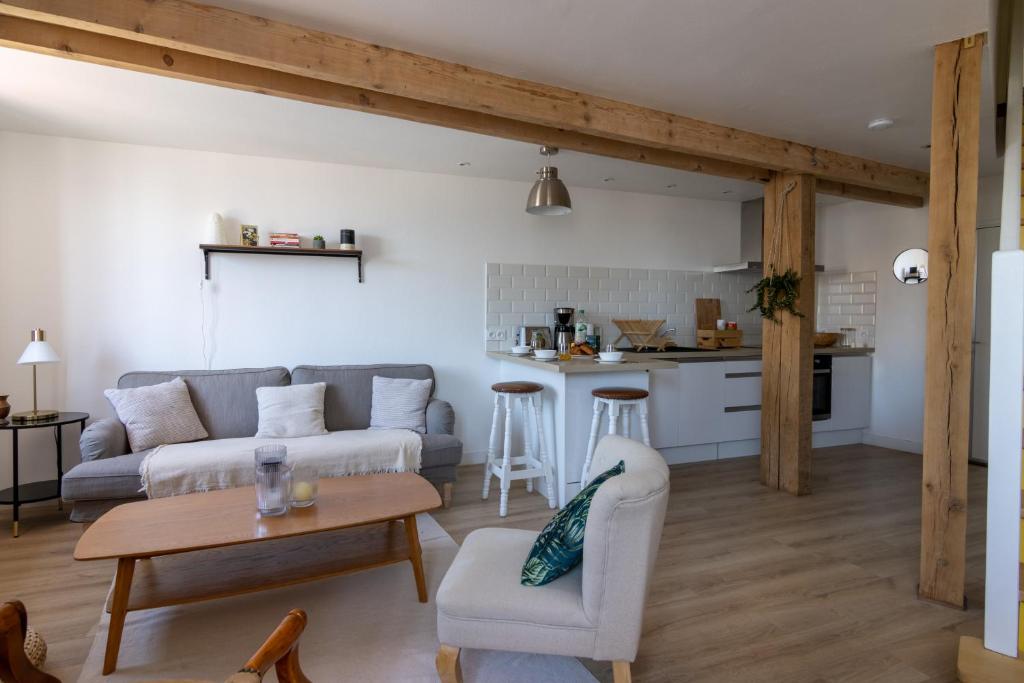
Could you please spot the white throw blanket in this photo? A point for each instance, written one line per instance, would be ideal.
(181, 468)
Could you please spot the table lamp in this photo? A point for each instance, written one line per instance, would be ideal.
(36, 353)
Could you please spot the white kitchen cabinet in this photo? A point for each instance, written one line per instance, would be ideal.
(740, 425)
(664, 407)
(700, 405)
(686, 404)
(851, 393)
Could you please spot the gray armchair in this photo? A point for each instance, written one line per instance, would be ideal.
(594, 611)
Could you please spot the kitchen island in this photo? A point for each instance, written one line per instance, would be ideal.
(568, 405)
(703, 405)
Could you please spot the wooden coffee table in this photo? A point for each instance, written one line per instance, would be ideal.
(203, 546)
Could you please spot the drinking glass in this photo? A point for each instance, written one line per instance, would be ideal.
(273, 480)
(304, 485)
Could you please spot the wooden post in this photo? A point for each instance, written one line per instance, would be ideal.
(786, 375)
(952, 217)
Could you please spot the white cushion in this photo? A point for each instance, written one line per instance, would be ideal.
(156, 415)
(296, 410)
(400, 403)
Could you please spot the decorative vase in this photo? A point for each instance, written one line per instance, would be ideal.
(5, 407)
(319, 244)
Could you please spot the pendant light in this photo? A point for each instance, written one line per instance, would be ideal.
(549, 196)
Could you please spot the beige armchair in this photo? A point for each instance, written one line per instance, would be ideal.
(594, 611)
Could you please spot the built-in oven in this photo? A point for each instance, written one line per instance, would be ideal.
(821, 405)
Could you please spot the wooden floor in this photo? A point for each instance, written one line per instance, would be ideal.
(750, 585)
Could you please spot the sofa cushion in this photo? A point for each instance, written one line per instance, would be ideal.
(400, 403)
(440, 450)
(103, 439)
(350, 389)
(157, 415)
(224, 399)
(296, 410)
(116, 477)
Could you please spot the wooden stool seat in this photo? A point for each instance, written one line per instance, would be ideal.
(620, 393)
(517, 387)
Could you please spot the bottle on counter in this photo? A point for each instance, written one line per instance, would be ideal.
(580, 336)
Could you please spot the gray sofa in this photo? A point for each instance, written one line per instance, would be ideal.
(226, 403)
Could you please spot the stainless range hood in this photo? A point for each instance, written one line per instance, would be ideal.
(751, 226)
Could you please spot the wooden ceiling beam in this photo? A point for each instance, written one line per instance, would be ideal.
(107, 50)
(255, 41)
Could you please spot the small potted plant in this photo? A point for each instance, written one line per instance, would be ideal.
(318, 242)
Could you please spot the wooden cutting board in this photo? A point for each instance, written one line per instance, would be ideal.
(709, 312)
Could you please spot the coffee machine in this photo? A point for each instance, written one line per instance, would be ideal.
(564, 332)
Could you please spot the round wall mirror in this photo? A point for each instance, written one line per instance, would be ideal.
(911, 266)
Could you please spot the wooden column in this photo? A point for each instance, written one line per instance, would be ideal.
(952, 216)
(788, 243)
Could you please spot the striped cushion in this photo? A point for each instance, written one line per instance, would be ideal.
(157, 414)
(400, 403)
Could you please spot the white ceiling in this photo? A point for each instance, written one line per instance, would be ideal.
(814, 71)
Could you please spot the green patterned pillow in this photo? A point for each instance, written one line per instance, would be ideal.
(559, 547)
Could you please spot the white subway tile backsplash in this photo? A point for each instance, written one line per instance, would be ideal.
(544, 282)
(499, 306)
(523, 294)
(523, 307)
(499, 281)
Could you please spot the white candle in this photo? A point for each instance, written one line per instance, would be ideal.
(302, 490)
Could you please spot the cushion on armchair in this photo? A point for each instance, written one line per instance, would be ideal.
(559, 547)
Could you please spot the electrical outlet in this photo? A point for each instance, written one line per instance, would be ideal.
(496, 334)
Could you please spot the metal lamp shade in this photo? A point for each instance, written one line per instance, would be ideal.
(549, 196)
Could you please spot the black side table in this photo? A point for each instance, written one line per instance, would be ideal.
(19, 494)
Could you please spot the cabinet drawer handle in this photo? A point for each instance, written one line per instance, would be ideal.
(742, 409)
(735, 375)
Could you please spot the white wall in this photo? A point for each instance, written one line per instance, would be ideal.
(860, 236)
(98, 245)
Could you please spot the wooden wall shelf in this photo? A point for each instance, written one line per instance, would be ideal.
(208, 249)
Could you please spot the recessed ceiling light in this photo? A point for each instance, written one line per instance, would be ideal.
(880, 124)
(670, 186)
(463, 163)
(608, 180)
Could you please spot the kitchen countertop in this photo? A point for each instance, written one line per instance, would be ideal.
(742, 353)
(663, 360)
(568, 367)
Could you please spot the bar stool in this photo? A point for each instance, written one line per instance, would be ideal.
(620, 401)
(534, 462)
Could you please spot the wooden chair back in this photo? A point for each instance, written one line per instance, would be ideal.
(280, 650)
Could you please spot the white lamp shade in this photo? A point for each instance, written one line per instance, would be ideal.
(37, 353)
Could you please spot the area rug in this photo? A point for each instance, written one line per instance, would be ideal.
(366, 626)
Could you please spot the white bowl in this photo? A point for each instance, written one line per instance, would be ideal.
(522, 349)
(545, 353)
(611, 355)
